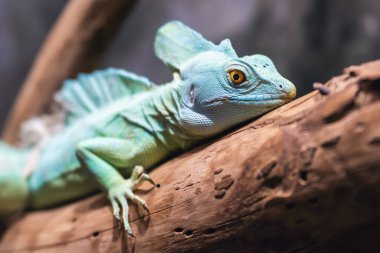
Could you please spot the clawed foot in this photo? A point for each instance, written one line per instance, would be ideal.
(119, 194)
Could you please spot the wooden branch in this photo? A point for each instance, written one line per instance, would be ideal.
(74, 45)
(304, 177)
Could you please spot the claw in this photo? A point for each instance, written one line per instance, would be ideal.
(141, 202)
(148, 178)
(146, 208)
(129, 231)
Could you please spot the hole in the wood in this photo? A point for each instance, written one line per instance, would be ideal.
(313, 200)
(176, 188)
(331, 142)
(189, 232)
(290, 205)
(158, 185)
(375, 141)
(210, 231)
(95, 234)
(303, 175)
(266, 170)
(178, 230)
(273, 182)
(218, 171)
(220, 194)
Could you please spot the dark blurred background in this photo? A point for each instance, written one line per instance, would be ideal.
(308, 40)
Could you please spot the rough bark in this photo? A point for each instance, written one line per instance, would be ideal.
(304, 177)
(74, 45)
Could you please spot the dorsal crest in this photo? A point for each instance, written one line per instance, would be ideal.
(90, 92)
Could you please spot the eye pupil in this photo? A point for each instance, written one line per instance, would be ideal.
(236, 77)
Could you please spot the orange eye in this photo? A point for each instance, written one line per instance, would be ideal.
(237, 77)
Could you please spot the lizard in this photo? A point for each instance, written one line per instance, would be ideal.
(119, 124)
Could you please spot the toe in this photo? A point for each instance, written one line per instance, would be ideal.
(124, 210)
(115, 208)
(137, 172)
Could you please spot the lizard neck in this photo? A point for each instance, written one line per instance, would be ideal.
(167, 105)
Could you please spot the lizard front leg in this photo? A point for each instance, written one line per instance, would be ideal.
(101, 156)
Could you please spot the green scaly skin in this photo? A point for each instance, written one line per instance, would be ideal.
(118, 123)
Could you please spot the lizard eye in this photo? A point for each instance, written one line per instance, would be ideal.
(237, 77)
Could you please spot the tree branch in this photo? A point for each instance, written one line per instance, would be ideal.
(304, 177)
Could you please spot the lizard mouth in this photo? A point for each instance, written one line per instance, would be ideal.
(262, 100)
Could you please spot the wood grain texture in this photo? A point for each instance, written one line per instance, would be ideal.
(74, 45)
(305, 177)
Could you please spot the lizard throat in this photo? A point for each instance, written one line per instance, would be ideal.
(171, 132)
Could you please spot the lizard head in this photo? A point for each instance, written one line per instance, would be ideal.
(222, 91)
(219, 89)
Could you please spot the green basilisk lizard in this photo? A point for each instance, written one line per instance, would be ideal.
(119, 123)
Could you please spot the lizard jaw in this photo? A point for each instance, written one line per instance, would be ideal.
(262, 100)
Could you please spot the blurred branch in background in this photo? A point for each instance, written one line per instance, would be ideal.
(75, 44)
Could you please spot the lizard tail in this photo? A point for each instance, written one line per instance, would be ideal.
(13, 184)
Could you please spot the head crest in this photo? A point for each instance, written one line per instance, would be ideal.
(176, 43)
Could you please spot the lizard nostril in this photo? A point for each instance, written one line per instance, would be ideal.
(280, 86)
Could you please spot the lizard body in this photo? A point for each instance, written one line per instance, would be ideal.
(119, 123)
